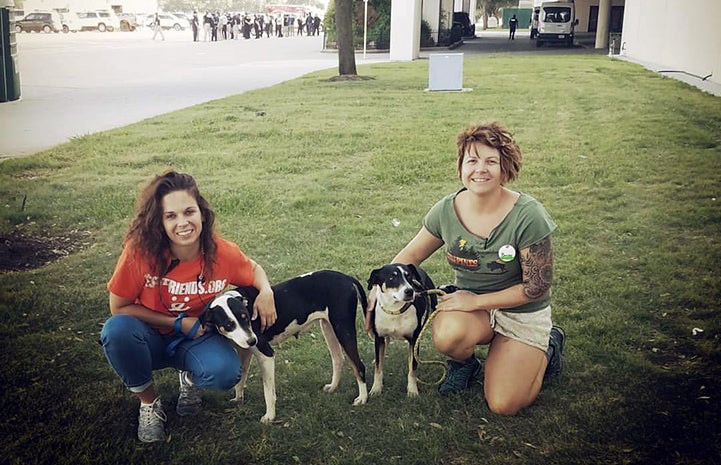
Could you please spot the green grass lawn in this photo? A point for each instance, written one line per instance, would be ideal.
(627, 162)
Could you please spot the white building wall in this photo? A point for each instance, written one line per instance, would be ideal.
(676, 35)
(405, 30)
(431, 14)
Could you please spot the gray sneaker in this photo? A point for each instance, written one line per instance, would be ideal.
(460, 375)
(555, 361)
(151, 422)
(189, 400)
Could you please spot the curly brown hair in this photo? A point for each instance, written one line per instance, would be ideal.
(147, 232)
(495, 136)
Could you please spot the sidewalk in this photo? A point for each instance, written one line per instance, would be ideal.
(78, 84)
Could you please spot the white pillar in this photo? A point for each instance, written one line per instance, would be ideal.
(405, 30)
(472, 11)
(603, 23)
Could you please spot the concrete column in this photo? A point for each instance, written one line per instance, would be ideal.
(472, 11)
(604, 20)
(405, 30)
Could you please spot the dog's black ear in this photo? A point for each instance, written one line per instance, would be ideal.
(374, 278)
(416, 279)
(247, 294)
(206, 317)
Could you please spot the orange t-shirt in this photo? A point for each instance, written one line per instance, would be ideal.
(186, 288)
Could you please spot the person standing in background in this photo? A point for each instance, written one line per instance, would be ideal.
(157, 28)
(195, 24)
(512, 24)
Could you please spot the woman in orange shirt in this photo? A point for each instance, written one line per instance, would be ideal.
(171, 266)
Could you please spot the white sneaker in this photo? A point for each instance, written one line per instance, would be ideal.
(189, 400)
(151, 422)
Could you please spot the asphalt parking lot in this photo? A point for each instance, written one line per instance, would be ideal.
(80, 83)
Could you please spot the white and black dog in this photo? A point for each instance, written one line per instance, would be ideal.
(326, 296)
(400, 311)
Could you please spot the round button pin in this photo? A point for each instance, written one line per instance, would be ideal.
(507, 253)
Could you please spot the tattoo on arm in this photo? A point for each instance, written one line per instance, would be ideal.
(537, 265)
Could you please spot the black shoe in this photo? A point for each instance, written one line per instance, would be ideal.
(555, 343)
(460, 375)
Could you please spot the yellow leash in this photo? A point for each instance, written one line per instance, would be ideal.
(416, 346)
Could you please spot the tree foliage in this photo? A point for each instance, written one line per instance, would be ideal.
(379, 23)
(488, 8)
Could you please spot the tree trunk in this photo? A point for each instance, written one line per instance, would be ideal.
(344, 31)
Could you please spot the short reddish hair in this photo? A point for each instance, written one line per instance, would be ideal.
(495, 136)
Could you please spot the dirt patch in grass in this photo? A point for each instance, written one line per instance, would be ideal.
(349, 77)
(20, 251)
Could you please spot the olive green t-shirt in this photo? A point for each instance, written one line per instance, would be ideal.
(490, 264)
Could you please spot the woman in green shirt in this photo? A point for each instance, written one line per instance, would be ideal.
(498, 243)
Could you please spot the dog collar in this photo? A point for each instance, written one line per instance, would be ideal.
(396, 312)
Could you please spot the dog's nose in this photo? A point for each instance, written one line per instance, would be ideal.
(252, 341)
(408, 292)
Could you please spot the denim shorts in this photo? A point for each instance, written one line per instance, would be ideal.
(533, 328)
(134, 349)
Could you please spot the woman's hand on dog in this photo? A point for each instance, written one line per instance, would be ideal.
(264, 307)
(459, 301)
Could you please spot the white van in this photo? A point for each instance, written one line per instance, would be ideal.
(556, 23)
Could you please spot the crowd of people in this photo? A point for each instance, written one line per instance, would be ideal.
(228, 26)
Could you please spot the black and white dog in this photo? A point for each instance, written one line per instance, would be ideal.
(328, 297)
(400, 311)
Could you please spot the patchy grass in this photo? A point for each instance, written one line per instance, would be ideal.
(626, 161)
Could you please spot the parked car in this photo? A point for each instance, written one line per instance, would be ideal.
(39, 21)
(128, 21)
(556, 23)
(168, 21)
(110, 18)
(182, 16)
(70, 22)
(462, 20)
(101, 20)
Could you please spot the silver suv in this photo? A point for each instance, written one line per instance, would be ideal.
(169, 21)
(100, 20)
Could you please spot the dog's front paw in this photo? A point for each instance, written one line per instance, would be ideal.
(360, 400)
(412, 386)
(267, 419)
(239, 399)
(328, 388)
(376, 389)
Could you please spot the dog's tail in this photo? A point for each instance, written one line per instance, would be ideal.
(362, 298)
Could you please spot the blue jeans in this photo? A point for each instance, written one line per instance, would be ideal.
(134, 350)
